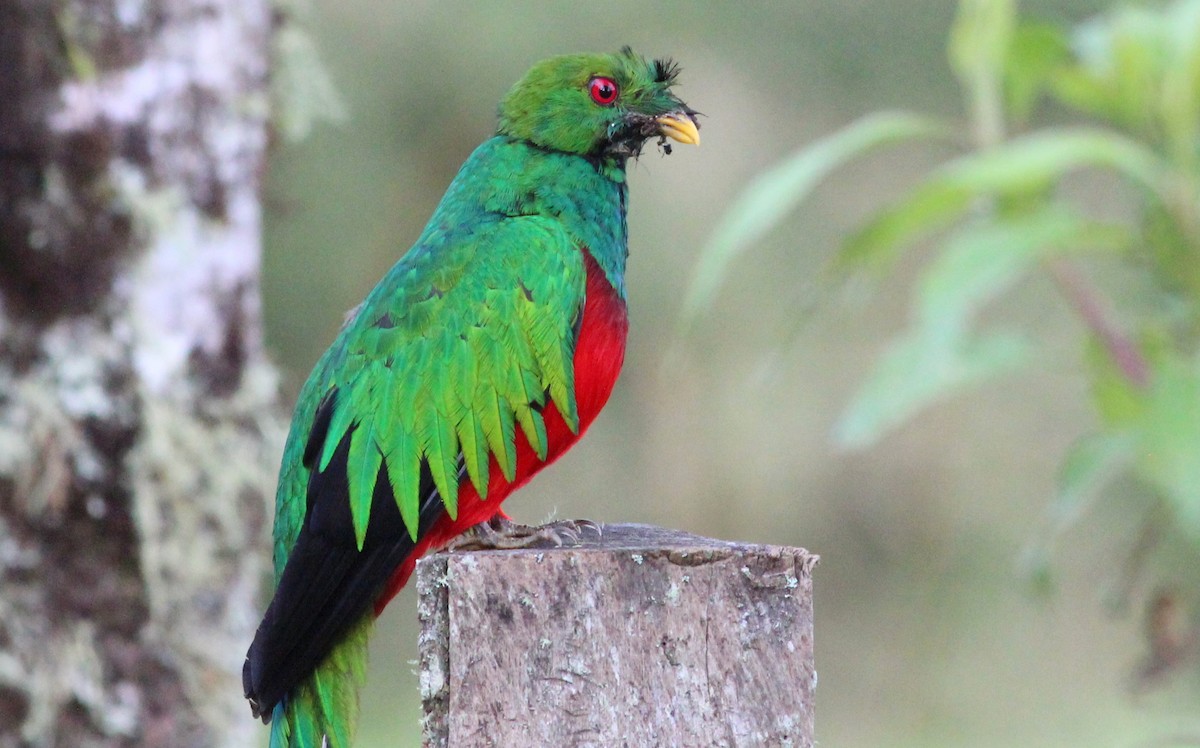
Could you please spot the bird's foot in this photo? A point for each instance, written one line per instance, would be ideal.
(501, 533)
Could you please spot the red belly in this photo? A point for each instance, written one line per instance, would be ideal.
(599, 353)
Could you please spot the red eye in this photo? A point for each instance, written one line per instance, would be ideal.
(603, 90)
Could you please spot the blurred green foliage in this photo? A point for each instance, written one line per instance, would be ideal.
(924, 638)
(1128, 85)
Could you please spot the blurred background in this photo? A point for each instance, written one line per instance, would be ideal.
(927, 633)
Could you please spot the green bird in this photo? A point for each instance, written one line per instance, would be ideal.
(481, 357)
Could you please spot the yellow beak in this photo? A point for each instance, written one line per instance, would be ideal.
(677, 126)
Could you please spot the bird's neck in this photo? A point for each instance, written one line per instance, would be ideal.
(510, 177)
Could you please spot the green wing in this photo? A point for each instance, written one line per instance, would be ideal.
(457, 346)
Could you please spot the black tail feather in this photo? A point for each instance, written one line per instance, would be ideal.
(328, 584)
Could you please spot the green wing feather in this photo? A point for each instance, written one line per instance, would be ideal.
(477, 332)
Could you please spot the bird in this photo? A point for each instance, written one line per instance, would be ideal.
(480, 357)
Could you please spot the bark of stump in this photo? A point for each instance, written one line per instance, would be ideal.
(641, 637)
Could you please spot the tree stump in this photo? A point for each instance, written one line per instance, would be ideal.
(637, 637)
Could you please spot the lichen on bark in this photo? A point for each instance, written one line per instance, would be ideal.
(139, 420)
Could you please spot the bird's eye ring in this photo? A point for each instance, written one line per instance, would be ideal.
(603, 90)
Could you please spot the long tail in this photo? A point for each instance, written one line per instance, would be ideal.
(322, 710)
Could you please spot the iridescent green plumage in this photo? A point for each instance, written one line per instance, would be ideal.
(495, 336)
(453, 363)
(463, 330)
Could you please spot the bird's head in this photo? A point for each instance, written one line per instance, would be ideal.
(598, 105)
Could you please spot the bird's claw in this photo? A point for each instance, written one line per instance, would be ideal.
(566, 531)
(501, 533)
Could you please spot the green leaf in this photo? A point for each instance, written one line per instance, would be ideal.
(1169, 439)
(1174, 253)
(1117, 400)
(775, 193)
(931, 207)
(981, 262)
(938, 356)
(917, 371)
(1180, 102)
(1118, 76)
(1038, 53)
(1032, 162)
(1021, 167)
(1090, 463)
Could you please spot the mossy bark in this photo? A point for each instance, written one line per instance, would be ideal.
(139, 422)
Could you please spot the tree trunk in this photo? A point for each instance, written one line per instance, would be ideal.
(139, 425)
(640, 637)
